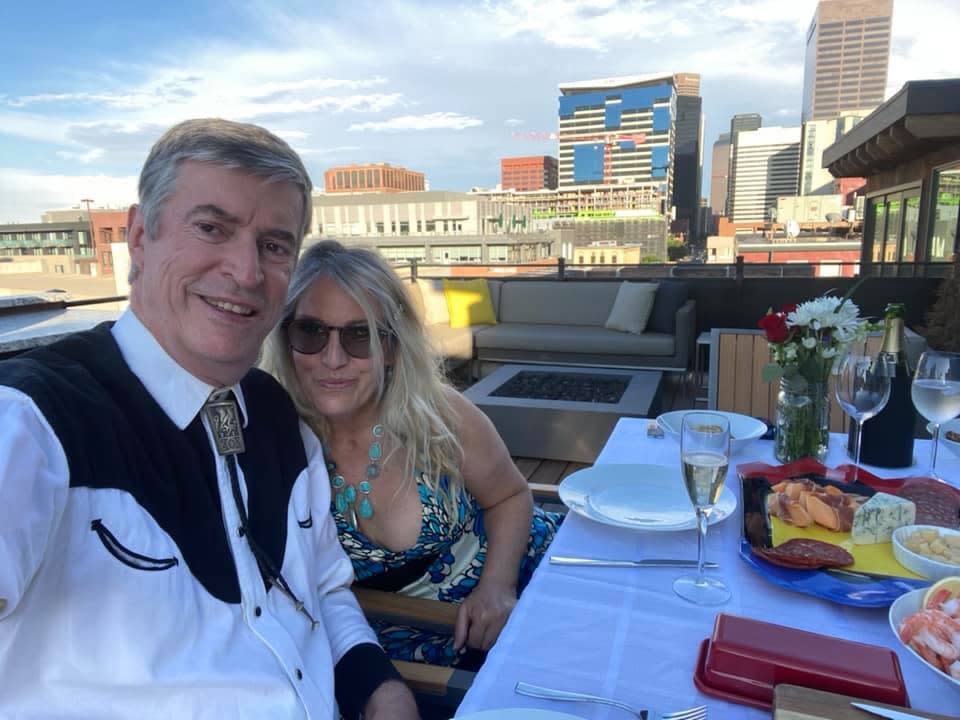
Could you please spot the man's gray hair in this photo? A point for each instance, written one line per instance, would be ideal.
(228, 144)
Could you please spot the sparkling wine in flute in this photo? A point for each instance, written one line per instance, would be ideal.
(704, 474)
(937, 400)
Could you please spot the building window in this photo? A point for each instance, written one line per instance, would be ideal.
(946, 194)
(893, 231)
(404, 227)
(911, 222)
(379, 228)
(878, 213)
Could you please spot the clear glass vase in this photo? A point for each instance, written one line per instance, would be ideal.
(803, 420)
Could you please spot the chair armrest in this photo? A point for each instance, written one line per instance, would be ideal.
(444, 682)
(402, 610)
(685, 335)
(543, 492)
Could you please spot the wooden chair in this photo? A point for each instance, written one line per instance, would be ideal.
(737, 358)
(438, 686)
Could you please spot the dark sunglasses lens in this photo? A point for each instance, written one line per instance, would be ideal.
(307, 337)
(356, 340)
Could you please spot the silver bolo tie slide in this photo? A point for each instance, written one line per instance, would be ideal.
(224, 418)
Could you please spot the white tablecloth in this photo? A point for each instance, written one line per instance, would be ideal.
(623, 633)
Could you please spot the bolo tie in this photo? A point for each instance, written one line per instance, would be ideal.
(224, 420)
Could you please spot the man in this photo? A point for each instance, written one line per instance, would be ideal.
(166, 546)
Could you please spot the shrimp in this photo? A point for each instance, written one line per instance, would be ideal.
(935, 636)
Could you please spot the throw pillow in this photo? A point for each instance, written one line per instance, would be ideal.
(632, 307)
(671, 296)
(468, 302)
(434, 302)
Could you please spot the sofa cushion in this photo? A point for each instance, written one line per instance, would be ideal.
(671, 296)
(469, 303)
(453, 343)
(632, 307)
(573, 302)
(572, 339)
(434, 302)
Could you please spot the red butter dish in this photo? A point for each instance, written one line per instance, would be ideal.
(745, 659)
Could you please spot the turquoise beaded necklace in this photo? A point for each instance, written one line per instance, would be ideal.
(352, 500)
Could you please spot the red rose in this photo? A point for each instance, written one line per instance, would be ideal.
(787, 309)
(775, 326)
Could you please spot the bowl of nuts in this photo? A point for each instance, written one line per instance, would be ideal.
(949, 435)
(928, 550)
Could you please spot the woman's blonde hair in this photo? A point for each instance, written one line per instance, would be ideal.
(412, 393)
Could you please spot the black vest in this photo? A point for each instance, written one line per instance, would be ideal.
(115, 435)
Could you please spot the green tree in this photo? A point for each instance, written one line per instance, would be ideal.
(942, 330)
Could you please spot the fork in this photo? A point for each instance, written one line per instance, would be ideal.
(694, 713)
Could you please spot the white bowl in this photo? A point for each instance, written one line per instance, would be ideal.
(953, 426)
(923, 566)
(743, 428)
(906, 605)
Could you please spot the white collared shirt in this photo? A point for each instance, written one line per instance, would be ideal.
(85, 635)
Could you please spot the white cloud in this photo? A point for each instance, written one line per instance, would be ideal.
(923, 42)
(25, 196)
(430, 121)
(84, 157)
(513, 122)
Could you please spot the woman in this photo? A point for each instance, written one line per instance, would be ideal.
(426, 498)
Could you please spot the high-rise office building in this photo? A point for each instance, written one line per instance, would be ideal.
(618, 133)
(719, 174)
(766, 165)
(848, 51)
(372, 178)
(534, 172)
(738, 123)
(818, 135)
(688, 153)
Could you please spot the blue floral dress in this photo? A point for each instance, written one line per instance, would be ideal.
(444, 564)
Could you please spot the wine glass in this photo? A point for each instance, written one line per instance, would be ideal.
(936, 392)
(862, 389)
(704, 455)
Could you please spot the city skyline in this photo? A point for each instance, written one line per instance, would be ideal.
(448, 90)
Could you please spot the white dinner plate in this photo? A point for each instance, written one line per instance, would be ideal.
(519, 714)
(637, 496)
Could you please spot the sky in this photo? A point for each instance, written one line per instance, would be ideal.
(445, 88)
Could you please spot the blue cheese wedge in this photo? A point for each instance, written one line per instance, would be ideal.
(875, 520)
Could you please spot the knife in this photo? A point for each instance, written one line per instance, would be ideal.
(886, 712)
(653, 562)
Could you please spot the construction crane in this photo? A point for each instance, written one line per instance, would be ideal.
(609, 140)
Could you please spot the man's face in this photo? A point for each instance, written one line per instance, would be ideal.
(212, 283)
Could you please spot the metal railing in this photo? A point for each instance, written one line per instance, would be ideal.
(739, 270)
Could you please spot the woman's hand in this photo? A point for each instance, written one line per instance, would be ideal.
(482, 615)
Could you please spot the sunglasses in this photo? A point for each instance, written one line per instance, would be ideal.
(311, 336)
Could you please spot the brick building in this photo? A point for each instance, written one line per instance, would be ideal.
(532, 172)
(108, 226)
(373, 178)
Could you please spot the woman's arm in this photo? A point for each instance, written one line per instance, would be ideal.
(490, 476)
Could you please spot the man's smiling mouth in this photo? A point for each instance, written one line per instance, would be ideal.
(229, 307)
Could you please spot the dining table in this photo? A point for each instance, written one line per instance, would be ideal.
(623, 633)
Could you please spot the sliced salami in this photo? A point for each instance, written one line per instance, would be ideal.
(937, 503)
(806, 553)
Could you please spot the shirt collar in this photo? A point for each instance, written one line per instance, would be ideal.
(180, 394)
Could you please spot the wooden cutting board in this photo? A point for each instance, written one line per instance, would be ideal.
(798, 703)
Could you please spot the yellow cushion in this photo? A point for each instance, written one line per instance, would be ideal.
(469, 303)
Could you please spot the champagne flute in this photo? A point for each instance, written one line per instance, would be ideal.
(862, 389)
(704, 455)
(936, 393)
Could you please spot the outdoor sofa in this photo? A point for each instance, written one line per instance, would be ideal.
(562, 322)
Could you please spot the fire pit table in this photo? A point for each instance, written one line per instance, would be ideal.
(563, 413)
